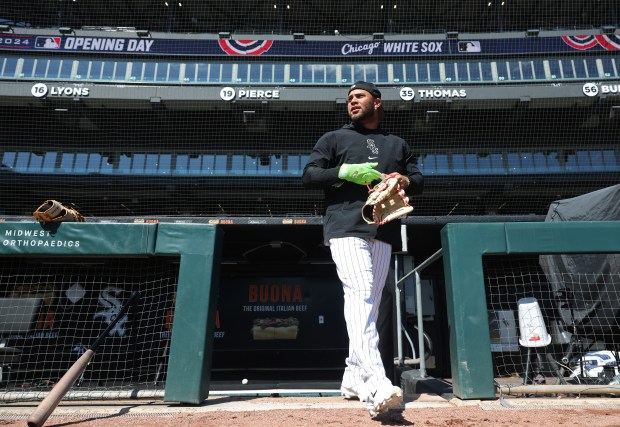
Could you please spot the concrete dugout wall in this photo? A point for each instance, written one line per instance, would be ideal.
(463, 246)
(199, 249)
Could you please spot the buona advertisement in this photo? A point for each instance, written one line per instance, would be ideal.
(299, 318)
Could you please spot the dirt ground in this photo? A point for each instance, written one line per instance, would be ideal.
(321, 411)
(474, 417)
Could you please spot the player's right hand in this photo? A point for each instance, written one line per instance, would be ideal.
(359, 173)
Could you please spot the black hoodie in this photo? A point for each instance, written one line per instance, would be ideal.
(344, 200)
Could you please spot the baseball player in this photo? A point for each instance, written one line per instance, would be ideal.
(343, 163)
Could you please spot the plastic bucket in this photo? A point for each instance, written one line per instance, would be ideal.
(532, 329)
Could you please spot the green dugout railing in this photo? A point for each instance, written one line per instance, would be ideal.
(199, 249)
(464, 245)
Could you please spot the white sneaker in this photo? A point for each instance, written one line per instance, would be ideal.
(355, 392)
(384, 399)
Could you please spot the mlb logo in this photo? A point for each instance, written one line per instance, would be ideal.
(47, 42)
(469, 46)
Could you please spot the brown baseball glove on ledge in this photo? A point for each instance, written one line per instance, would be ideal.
(53, 211)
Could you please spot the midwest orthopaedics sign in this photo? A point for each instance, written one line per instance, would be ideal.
(35, 238)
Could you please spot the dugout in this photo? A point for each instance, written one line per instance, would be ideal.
(175, 266)
(268, 263)
(464, 246)
(79, 275)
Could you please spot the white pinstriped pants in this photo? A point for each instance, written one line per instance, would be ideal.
(362, 266)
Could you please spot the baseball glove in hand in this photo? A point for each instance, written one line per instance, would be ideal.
(386, 202)
(53, 211)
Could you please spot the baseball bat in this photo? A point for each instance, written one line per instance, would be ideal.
(53, 398)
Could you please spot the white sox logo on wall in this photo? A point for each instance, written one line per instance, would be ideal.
(607, 42)
(245, 47)
(112, 305)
